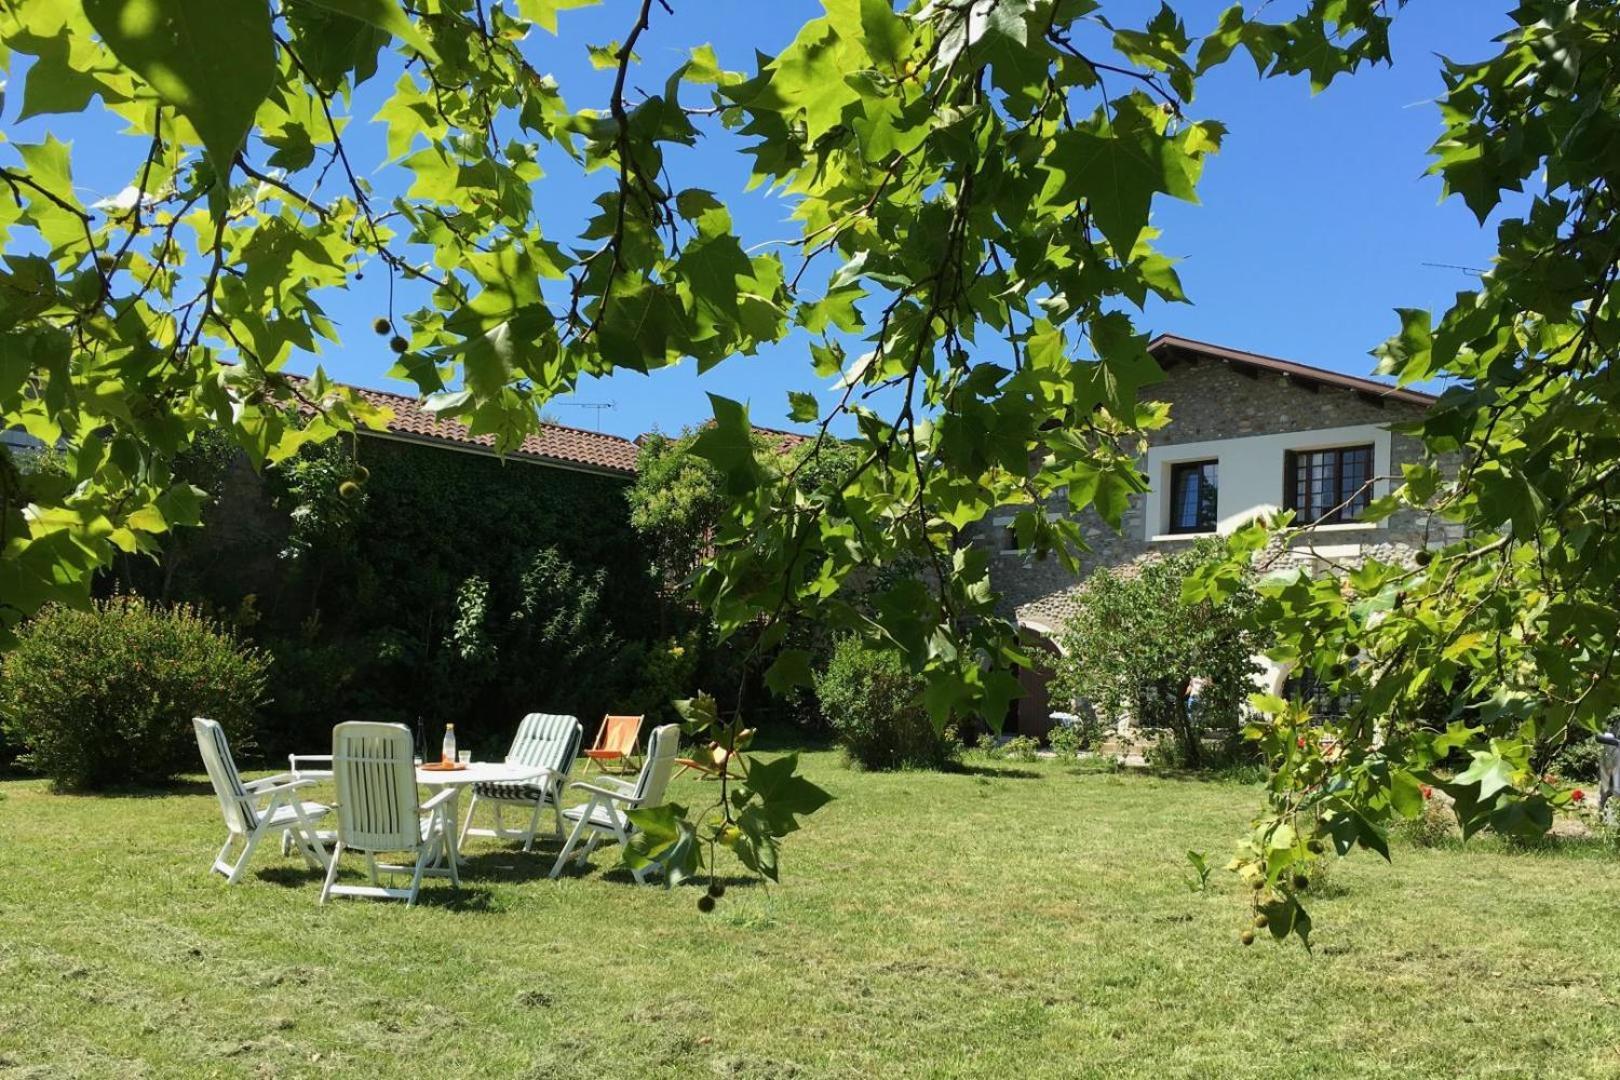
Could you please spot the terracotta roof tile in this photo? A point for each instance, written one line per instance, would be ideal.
(554, 443)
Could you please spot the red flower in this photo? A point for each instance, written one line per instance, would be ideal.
(1577, 795)
(1427, 791)
(1301, 742)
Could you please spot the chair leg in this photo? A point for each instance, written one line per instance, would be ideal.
(247, 853)
(573, 839)
(472, 807)
(534, 823)
(556, 807)
(331, 871)
(371, 867)
(309, 842)
(416, 878)
(447, 828)
(220, 865)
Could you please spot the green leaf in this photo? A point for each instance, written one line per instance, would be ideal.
(543, 13)
(213, 60)
(663, 839)
(783, 794)
(1285, 916)
(728, 444)
(1118, 167)
(803, 407)
(386, 15)
(1490, 771)
(790, 668)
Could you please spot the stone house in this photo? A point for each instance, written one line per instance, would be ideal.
(1248, 435)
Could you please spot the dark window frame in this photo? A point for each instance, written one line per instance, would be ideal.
(1180, 469)
(1348, 499)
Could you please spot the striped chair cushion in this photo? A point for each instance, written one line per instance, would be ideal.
(527, 793)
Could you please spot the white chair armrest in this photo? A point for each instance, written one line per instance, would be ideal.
(297, 770)
(607, 793)
(439, 800)
(292, 784)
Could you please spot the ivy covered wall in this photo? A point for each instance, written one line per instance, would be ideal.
(451, 587)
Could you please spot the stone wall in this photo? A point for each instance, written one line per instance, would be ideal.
(1210, 400)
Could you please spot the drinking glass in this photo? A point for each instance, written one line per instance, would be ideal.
(464, 756)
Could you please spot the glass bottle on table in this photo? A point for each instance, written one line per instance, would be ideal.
(449, 754)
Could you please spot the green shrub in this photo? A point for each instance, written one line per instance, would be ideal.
(1579, 759)
(1017, 748)
(1434, 827)
(105, 697)
(874, 706)
(1065, 741)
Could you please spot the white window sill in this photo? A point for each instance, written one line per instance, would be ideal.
(1348, 526)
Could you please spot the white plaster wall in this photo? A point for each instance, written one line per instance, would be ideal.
(1251, 475)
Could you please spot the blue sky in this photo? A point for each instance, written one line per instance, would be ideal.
(1316, 219)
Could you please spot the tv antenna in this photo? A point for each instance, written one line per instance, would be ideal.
(599, 406)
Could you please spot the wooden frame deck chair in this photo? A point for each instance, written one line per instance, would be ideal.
(543, 740)
(378, 811)
(247, 820)
(604, 813)
(616, 740)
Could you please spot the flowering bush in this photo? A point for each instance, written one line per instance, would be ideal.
(106, 696)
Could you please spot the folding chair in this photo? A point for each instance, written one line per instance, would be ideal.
(246, 820)
(604, 814)
(545, 741)
(615, 741)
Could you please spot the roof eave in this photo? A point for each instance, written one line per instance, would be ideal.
(1305, 373)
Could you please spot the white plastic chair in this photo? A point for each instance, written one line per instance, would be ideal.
(604, 813)
(378, 811)
(246, 819)
(544, 741)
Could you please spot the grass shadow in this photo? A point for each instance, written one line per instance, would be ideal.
(994, 772)
(138, 791)
(290, 877)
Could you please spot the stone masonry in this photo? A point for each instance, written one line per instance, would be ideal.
(1210, 399)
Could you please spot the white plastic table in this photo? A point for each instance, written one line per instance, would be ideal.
(476, 772)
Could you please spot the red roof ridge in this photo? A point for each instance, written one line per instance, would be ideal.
(1293, 368)
(544, 423)
(555, 443)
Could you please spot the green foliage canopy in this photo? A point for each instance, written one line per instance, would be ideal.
(1513, 614)
(1132, 647)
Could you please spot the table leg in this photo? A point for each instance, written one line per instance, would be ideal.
(451, 842)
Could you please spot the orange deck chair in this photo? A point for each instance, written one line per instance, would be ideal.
(616, 740)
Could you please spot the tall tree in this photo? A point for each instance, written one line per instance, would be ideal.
(1470, 666)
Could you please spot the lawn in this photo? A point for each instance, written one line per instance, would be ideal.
(1023, 920)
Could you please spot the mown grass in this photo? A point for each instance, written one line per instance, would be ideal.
(1013, 920)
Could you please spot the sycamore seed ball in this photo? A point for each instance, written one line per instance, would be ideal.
(349, 489)
(382, 325)
(1247, 937)
(705, 903)
(398, 344)
(1260, 921)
